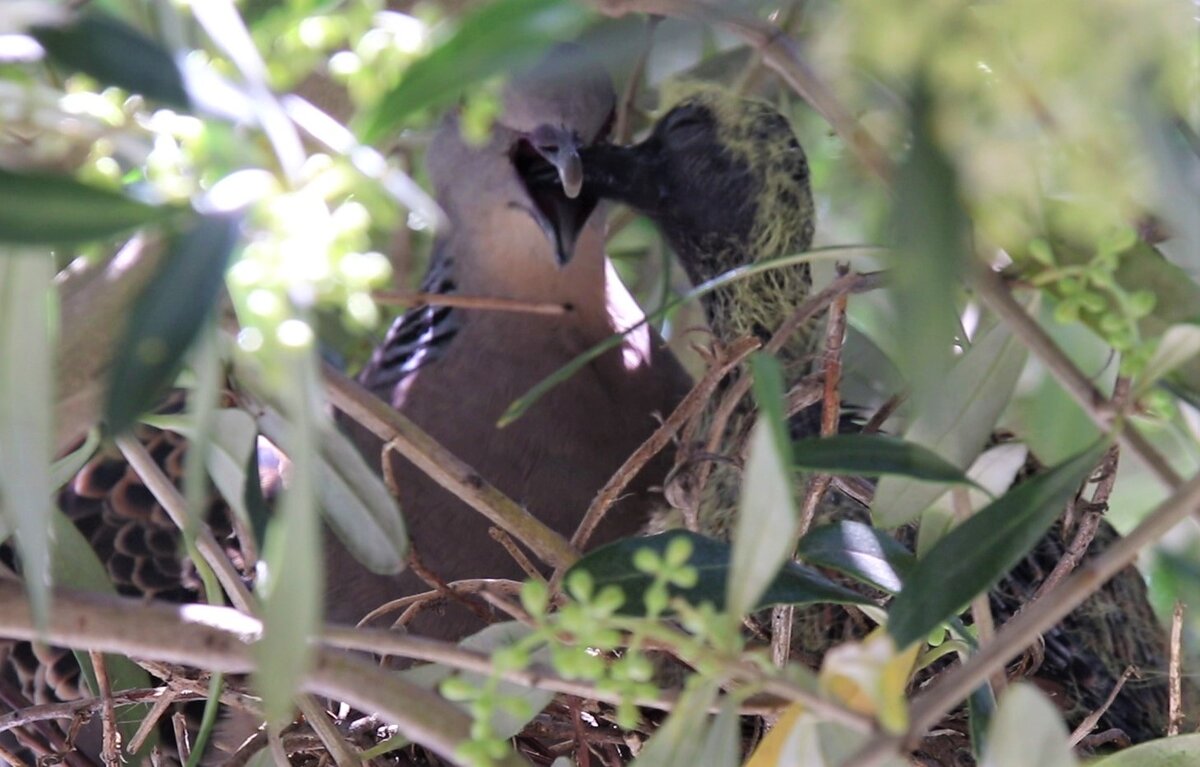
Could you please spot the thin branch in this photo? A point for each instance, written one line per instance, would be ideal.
(487, 303)
(150, 721)
(1174, 673)
(995, 294)
(948, 690)
(110, 751)
(1091, 720)
(412, 442)
(335, 744)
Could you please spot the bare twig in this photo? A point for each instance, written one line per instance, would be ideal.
(693, 403)
(952, 687)
(412, 442)
(484, 303)
(335, 744)
(173, 502)
(1091, 720)
(1174, 673)
(514, 551)
(12, 759)
(885, 411)
(110, 751)
(994, 293)
(182, 745)
(150, 720)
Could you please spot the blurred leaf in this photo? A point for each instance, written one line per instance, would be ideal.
(494, 38)
(1179, 751)
(766, 518)
(357, 504)
(1178, 175)
(676, 743)
(871, 455)
(487, 641)
(932, 248)
(1028, 731)
(74, 565)
(801, 738)
(870, 677)
(860, 551)
(613, 564)
(64, 469)
(971, 399)
(167, 317)
(43, 209)
(977, 553)
(26, 422)
(115, 54)
(1178, 346)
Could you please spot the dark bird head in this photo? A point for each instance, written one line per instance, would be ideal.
(727, 183)
(550, 113)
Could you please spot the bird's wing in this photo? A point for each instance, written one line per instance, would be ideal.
(417, 337)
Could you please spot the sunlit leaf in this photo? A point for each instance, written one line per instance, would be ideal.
(972, 398)
(802, 738)
(26, 404)
(613, 564)
(872, 455)
(1178, 751)
(870, 677)
(860, 551)
(115, 54)
(977, 553)
(1028, 731)
(42, 209)
(766, 518)
(495, 38)
(167, 317)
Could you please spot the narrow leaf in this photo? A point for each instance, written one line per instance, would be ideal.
(1028, 731)
(766, 520)
(503, 36)
(1178, 346)
(859, 551)
(43, 209)
(167, 318)
(115, 54)
(613, 564)
(26, 424)
(675, 743)
(872, 455)
(977, 553)
(973, 396)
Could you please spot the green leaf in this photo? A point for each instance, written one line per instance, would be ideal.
(1028, 731)
(1179, 751)
(767, 516)
(65, 468)
(872, 455)
(676, 742)
(1178, 346)
(931, 230)
(43, 209)
(115, 54)
(976, 554)
(494, 38)
(26, 406)
(613, 564)
(973, 396)
(167, 317)
(859, 551)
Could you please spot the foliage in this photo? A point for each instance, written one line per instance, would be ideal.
(234, 177)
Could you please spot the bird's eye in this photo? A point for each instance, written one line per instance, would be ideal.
(548, 148)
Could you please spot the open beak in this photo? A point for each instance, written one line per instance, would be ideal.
(561, 208)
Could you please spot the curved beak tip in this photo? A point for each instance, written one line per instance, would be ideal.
(570, 172)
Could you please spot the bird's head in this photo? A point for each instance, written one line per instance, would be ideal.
(550, 113)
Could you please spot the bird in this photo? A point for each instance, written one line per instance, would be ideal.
(455, 371)
(727, 184)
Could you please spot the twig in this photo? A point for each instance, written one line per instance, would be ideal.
(337, 747)
(692, 404)
(486, 303)
(110, 751)
(179, 724)
(1174, 673)
(952, 687)
(165, 493)
(412, 442)
(880, 417)
(150, 720)
(780, 54)
(11, 758)
(1091, 720)
(514, 551)
(992, 291)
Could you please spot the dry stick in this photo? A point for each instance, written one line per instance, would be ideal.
(173, 502)
(514, 551)
(994, 293)
(693, 403)
(221, 639)
(1091, 720)
(333, 741)
(150, 721)
(780, 54)
(11, 758)
(110, 751)
(1174, 673)
(182, 745)
(443, 467)
(486, 303)
(948, 690)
